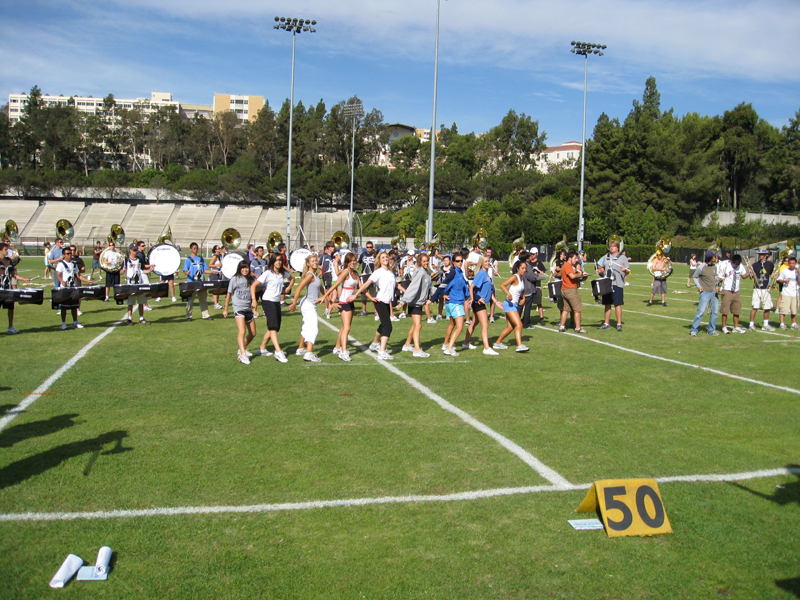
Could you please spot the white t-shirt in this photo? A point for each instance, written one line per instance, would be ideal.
(472, 257)
(273, 285)
(732, 277)
(385, 281)
(789, 279)
(68, 272)
(133, 270)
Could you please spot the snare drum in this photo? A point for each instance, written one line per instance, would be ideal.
(554, 289)
(601, 286)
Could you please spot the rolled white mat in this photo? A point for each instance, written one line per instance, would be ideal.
(103, 558)
(67, 570)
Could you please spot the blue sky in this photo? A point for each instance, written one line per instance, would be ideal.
(707, 56)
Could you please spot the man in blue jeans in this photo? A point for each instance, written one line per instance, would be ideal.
(705, 278)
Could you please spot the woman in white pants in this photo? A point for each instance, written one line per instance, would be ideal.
(308, 308)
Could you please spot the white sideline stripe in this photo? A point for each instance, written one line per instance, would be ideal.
(456, 497)
(528, 458)
(405, 362)
(676, 362)
(781, 341)
(36, 394)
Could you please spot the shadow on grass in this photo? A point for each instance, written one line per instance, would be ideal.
(5, 408)
(786, 494)
(57, 326)
(19, 433)
(790, 585)
(19, 471)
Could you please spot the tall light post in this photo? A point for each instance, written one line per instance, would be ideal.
(295, 26)
(354, 111)
(584, 50)
(429, 224)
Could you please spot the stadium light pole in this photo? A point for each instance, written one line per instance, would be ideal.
(295, 26)
(584, 49)
(356, 111)
(429, 225)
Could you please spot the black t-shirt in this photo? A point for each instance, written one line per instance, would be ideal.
(78, 261)
(142, 258)
(763, 273)
(367, 261)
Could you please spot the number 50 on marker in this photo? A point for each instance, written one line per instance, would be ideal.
(627, 507)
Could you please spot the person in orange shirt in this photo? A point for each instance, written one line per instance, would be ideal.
(571, 277)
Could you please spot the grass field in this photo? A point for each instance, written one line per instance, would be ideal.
(446, 477)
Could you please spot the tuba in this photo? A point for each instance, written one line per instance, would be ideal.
(618, 239)
(273, 241)
(716, 246)
(112, 261)
(400, 241)
(517, 246)
(11, 235)
(166, 238)
(481, 239)
(231, 239)
(435, 243)
(562, 245)
(64, 230)
(117, 235)
(663, 247)
(341, 240)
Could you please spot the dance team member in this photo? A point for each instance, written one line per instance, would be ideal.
(367, 262)
(385, 282)
(514, 289)
(308, 308)
(348, 279)
(8, 279)
(327, 262)
(274, 286)
(439, 279)
(415, 298)
(762, 298)
(67, 275)
(732, 273)
(481, 295)
(195, 268)
(455, 294)
(243, 311)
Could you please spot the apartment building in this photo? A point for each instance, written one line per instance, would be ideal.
(245, 107)
(89, 104)
(568, 152)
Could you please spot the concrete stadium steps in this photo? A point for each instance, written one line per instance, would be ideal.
(242, 218)
(95, 223)
(19, 211)
(319, 227)
(192, 223)
(44, 226)
(273, 219)
(147, 221)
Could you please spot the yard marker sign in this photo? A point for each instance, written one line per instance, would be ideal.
(627, 507)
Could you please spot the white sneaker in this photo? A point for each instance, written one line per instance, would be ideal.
(451, 352)
(248, 354)
(500, 346)
(218, 306)
(300, 351)
(439, 317)
(401, 316)
(767, 327)
(337, 351)
(345, 356)
(739, 330)
(243, 359)
(281, 357)
(64, 325)
(725, 330)
(752, 327)
(795, 326)
(444, 346)
(420, 354)
(491, 319)
(174, 299)
(327, 314)
(377, 318)
(522, 348)
(146, 307)
(466, 346)
(490, 352)
(77, 325)
(408, 348)
(394, 318)
(265, 352)
(80, 314)
(12, 331)
(783, 326)
(431, 321)
(311, 357)
(158, 299)
(467, 323)
(385, 356)
(375, 347)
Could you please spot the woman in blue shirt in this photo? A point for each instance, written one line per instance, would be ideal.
(480, 291)
(455, 294)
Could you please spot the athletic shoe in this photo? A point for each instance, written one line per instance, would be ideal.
(739, 330)
(619, 326)
(444, 346)
(522, 348)
(713, 333)
(795, 326)
(451, 352)
(375, 347)
(265, 352)
(627, 283)
(752, 327)
(345, 356)
(146, 307)
(530, 327)
(649, 304)
(77, 325)
(768, 327)
(218, 306)
(490, 352)
(408, 348)
(337, 351)
(311, 357)
(188, 318)
(377, 318)
(439, 317)
(725, 330)
(385, 356)
(300, 351)
(562, 330)
(12, 331)
(401, 316)
(248, 354)
(466, 346)
(158, 299)
(420, 354)
(243, 359)
(105, 299)
(693, 333)
(80, 314)
(363, 313)
(491, 319)
(394, 318)
(581, 330)
(143, 322)
(208, 318)
(499, 346)
(431, 321)
(281, 357)
(467, 323)
(664, 304)
(783, 326)
(174, 299)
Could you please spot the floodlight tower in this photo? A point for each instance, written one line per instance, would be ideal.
(294, 25)
(356, 111)
(584, 50)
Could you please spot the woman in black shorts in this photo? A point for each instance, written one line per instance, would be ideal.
(348, 279)
(274, 286)
(416, 297)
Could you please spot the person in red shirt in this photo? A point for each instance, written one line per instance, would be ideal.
(571, 276)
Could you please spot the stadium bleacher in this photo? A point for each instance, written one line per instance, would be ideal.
(44, 226)
(147, 221)
(192, 223)
(19, 211)
(241, 218)
(96, 221)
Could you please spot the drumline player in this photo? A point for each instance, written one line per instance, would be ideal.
(308, 309)
(76, 258)
(618, 268)
(194, 267)
(134, 273)
(8, 279)
(762, 298)
(571, 277)
(67, 273)
(145, 271)
(243, 312)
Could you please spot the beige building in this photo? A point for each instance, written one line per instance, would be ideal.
(568, 154)
(245, 107)
(88, 104)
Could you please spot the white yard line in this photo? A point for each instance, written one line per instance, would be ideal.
(36, 394)
(352, 502)
(674, 362)
(403, 362)
(530, 460)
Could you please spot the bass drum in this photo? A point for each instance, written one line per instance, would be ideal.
(298, 258)
(111, 260)
(230, 263)
(165, 259)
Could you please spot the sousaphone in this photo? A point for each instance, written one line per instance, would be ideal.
(231, 240)
(663, 247)
(11, 236)
(341, 240)
(274, 240)
(112, 260)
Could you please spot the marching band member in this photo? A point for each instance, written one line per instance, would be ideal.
(367, 262)
(415, 298)
(215, 264)
(327, 262)
(571, 276)
(617, 267)
(112, 279)
(67, 274)
(514, 289)
(693, 264)
(538, 267)
(781, 268)
(732, 273)
(274, 287)
(194, 267)
(76, 258)
(705, 278)
(134, 273)
(762, 298)
(660, 285)
(481, 293)
(54, 257)
(348, 279)
(385, 282)
(8, 279)
(243, 312)
(308, 308)
(455, 294)
(788, 305)
(258, 264)
(47, 267)
(140, 254)
(98, 249)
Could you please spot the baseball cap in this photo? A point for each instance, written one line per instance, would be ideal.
(534, 250)
(133, 246)
(710, 254)
(411, 252)
(763, 252)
